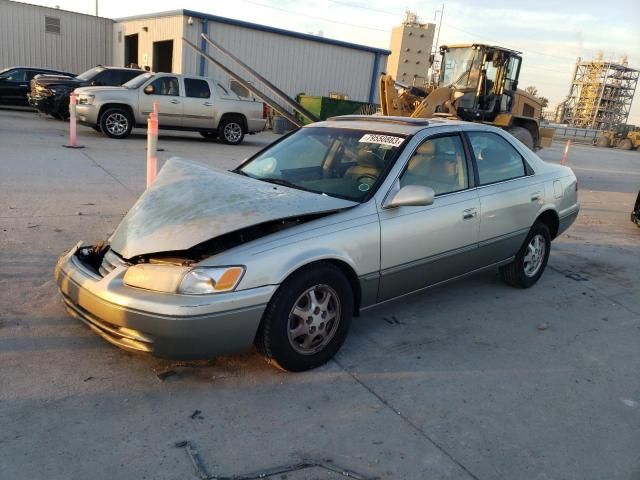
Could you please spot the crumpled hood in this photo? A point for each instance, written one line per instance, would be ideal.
(190, 203)
(53, 80)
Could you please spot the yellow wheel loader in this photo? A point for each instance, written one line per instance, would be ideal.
(620, 139)
(478, 83)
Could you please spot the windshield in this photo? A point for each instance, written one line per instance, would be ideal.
(136, 82)
(339, 162)
(89, 74)
(461, 68)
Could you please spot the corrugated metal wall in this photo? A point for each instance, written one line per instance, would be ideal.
(84, 41)
(158, 29)
(294, 65)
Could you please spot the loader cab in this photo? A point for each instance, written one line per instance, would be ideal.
(485, 76)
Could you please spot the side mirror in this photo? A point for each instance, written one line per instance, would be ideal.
(412, 195)
(149, 90)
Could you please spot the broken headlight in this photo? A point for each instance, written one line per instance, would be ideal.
(185, 280)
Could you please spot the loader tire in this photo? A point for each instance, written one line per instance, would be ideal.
(523, 135)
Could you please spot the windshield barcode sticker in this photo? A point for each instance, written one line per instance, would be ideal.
(382, 139)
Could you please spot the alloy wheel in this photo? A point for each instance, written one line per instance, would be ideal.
(314, 319)
(534, 258)
(117, 124)
(232, 132)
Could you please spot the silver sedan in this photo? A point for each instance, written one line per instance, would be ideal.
(335, 218)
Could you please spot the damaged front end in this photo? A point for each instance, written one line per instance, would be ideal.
(149, 289)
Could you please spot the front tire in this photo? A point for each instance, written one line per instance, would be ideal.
(530, 262)
(307, 320)
(231, 130)
(116, 123)
(625, 144)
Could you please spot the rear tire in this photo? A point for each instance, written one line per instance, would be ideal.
(231, 130)
(531, 260)
(625, 144)
(209, 135)
(116, 123)
(307, 320)
(523, 135)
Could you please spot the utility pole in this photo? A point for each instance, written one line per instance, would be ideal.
(96, 8)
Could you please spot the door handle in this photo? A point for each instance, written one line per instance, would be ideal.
(469, 213)
(536, 196)
(208, 104)
(174, 101)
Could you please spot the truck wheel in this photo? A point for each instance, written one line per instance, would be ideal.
(307, 319)
(231, 130)
(523, 135)
(625, 144)
(603, 142)
(116, 123)
(210, 135)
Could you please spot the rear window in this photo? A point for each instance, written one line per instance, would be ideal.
(197, 88)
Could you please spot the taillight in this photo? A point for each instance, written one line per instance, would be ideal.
(265, 111)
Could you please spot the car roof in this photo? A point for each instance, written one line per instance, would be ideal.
(43, 69)
(398, 125)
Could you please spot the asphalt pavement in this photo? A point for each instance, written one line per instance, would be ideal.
(472, 380)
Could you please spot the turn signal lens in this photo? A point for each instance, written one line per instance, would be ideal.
(205, 280)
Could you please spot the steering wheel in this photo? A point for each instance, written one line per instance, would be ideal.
(367, 176)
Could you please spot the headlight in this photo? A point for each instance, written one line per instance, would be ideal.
(185, 280)
(86, 99)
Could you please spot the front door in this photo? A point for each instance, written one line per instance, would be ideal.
(198, 104)
(425, 245)
(510, 195)
(166, 91)
(14, 87)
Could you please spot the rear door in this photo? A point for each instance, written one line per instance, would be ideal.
(198, 104)
(510, 195)
(425, 245)
(167, 92)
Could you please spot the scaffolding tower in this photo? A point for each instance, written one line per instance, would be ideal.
(601, 94)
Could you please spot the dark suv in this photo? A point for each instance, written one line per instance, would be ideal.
(14, 83)
(50, 93)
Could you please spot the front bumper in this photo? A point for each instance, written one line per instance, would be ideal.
(87, 114)
(165, 325)
(50, 104)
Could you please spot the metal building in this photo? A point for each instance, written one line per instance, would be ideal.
(295, 62)
(31, 35)
(601, 94)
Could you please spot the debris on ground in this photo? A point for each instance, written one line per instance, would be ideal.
(327, 465)
(196, 414)
(543, 326)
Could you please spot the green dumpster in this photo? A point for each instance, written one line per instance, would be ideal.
(326, 107)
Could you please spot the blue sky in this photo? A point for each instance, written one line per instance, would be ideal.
(551, 34)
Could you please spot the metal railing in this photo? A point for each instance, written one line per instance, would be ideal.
(586, 135)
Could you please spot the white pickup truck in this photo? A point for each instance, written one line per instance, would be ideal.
(185, 102)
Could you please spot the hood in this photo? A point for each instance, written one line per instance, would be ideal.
(50, 80)
(191, 203)
(92, 90)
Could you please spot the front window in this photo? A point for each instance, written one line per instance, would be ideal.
(461, 68)
(90, 74)
(138, 81)
(338, 162)
(438, 163)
